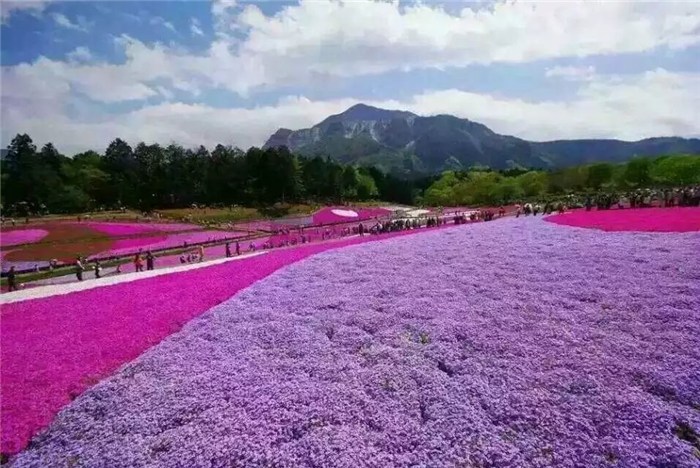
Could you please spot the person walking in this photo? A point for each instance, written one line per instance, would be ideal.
(228, 249)
(138, 262)
(150, 261)
(79, 268)
(98, 269)
(11, 280)
(238, 248)
(201, 253)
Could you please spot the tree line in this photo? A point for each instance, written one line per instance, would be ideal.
(151, 176)
(148, 177)
(485, 187)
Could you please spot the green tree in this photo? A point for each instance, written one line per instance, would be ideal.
(599, 175)
(676, 170)
(366, 187)
(349, 181)
(533, 183)
(508, 190)
(637, 173)
(120, 164)
(442, 192)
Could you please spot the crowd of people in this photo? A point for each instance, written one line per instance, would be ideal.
(644, 198)
(606, 200)
(285, 237)
(282, 237)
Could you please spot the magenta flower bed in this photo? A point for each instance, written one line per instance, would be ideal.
(128, 246)
(55, 348)
(645, 219)
(371, 356)
(21, 236)
(340, 214)
(129, 229)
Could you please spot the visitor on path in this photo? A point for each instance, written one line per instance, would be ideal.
(150, 261)
(238, 248)
(138, 263)
(119, 268)
(361, 228)
(79, 268)
(183, 260)
(98, 269)
(228, 249)
(201, 253)
(11, 280)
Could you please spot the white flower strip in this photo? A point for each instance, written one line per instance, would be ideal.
(67, 288)
(345, 213)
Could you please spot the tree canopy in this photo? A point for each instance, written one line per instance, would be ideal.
(150, 176)
(484, 187)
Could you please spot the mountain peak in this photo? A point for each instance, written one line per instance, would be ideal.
(401, 141)
(363, 112)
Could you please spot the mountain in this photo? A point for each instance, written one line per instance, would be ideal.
(405, 142)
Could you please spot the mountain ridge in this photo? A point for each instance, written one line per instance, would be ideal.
(401, 141)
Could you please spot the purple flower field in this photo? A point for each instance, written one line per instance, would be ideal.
(514, 343)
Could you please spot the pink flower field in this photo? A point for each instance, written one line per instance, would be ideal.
(167, 241)
(55, 348)
(333, 215)
(21, 236)
(656, 220)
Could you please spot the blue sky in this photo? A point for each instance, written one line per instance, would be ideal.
(82, 73)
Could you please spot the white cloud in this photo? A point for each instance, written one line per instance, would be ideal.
(571, 73)
(195, 28)
(322, 40)
(63, 21)
(158, 21)
(7, 8)
(655, 103)
(165, 92)
(223, 11)
(80, 54)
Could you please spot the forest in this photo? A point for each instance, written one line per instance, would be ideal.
(150, 176)
(485, 187)
(153, 176)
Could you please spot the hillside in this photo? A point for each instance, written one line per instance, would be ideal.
(404, 142)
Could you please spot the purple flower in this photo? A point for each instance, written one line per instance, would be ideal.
(511, 343)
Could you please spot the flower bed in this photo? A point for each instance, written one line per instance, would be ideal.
(494, 353)
(46, 363)
(644, 219)
(21, 236)
(333, 215)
